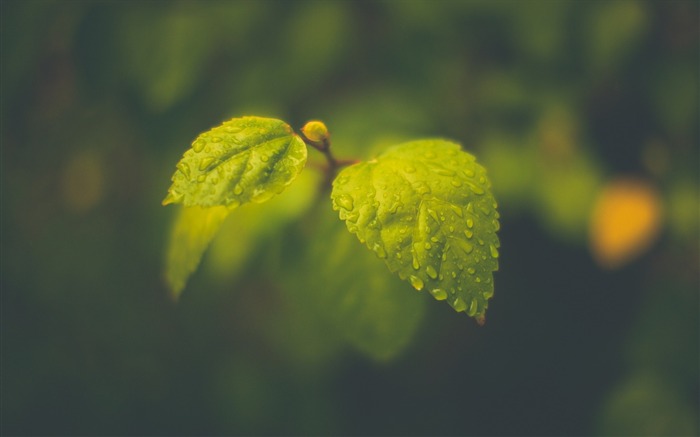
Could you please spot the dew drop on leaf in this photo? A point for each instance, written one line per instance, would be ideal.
(198, 145)
(379, 250)
(494, 251)
(476, 189)
(345, 201)
(205, 163)
(439, 294)
(473, 307)
(416, 282)
(459, 305)
(430, 270)
(184, 168)
(416, 264)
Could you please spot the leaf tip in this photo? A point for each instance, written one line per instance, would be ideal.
(172, 197)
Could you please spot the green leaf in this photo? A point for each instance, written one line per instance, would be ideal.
(353, 293)
(247, 159)
(425, 207)
(192, 232)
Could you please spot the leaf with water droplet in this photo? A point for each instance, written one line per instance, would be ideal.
(248, 159)
(444, 235)
(233, 238)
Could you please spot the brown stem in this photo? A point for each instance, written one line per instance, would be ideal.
(333, 164)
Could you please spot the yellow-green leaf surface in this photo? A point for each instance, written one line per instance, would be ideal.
(426, 208)
(192, 232)
(248, 159)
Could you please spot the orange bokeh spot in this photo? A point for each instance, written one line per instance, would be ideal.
(625, 221)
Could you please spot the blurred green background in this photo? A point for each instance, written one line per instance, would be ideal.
(557, 99)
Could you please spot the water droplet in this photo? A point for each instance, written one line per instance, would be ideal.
(216, 139)
(198, 145)
(456, 183)
(379, 250)
(451, 228)
(476, 189)
(184, 169)
(205, 163)
(341, 180)
(454, 275)
(439, 294)
(201, 178)
(237, 190)
(416, 282)
(466, 246)
(264, 158)
(433, 214)
(459, 305)
(421, 188)
(468, 233)
(399, 255)
(427, 246)
(345, 201)
(471, 270)
(416, 264)
(232, 129)
(485, 210)
(469, 173)
(457, 210)
(496, 225)
(470, 223)
(494, 251)
(430, 270)
(481, 242)
(473, 307)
